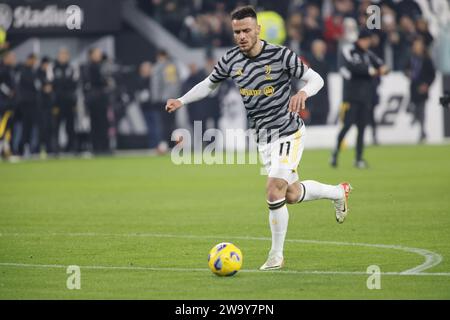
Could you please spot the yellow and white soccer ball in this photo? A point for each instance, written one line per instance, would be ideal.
(225, 259)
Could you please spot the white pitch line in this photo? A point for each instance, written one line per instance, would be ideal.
(432, 259)
(137, 268)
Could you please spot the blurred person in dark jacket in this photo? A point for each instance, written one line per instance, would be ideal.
(312, 26)
(423, 31)
(360, 67)
(421, 72)
(318, 105)
(151, 112)
(197, 111)
(46, 104)
(377, 46)
(212, 102)
(27, 94)
(165, 84)
(401, 41)
(7, 102)
(65, 87)
(95, 85)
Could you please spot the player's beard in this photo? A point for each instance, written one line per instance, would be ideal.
(250, 47)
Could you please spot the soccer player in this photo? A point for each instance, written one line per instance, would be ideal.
(263, 73)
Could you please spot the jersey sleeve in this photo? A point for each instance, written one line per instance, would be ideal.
(220, 71)
(293, 64)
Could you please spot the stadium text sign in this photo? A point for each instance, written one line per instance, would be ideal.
(60, 16)
(25, 17)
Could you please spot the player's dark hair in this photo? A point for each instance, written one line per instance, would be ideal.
(243, 12)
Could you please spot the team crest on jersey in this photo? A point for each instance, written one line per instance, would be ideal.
(268, 70)
(239, 72)
(268, 91)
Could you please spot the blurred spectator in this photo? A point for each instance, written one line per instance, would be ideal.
(97, 100)
(165, 83)
(408, 8)
(345, 8)
(421, 71)
(27, 94)
(151, 112)
(65, 86)
(197, 110)
(350, 31)
(401, 41)
(207, 29)
(312, 26)
(333, 32)
(295, 33)
(169, 13)
(319, 104)
(7, 102)
(422, 30)
(46, 103)
(212, 102)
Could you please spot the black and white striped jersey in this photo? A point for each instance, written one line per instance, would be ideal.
(264, 82)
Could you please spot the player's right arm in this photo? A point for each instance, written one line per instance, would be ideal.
(198, 92)
(204, 88)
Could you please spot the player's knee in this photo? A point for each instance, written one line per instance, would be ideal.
(291, 198)
(294, 193)
(276, 190)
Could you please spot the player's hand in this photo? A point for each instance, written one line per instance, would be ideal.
(172, 105)
(297, 102)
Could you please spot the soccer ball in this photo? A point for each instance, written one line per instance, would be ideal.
(225, 259)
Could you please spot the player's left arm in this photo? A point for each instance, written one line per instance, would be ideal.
(295, 67)
(314, 82)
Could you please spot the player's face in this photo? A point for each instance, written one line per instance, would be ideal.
(246, 33)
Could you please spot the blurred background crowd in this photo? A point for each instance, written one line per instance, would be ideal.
(45, 99)
(205, 23)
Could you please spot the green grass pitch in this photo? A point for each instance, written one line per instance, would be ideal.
(142, 227)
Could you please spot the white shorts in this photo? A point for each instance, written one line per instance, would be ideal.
(281, 157)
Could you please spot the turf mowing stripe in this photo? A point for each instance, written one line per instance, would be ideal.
(312, 272)
(432, 259)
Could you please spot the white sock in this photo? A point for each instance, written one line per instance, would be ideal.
(278, 220)
(313, 190)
